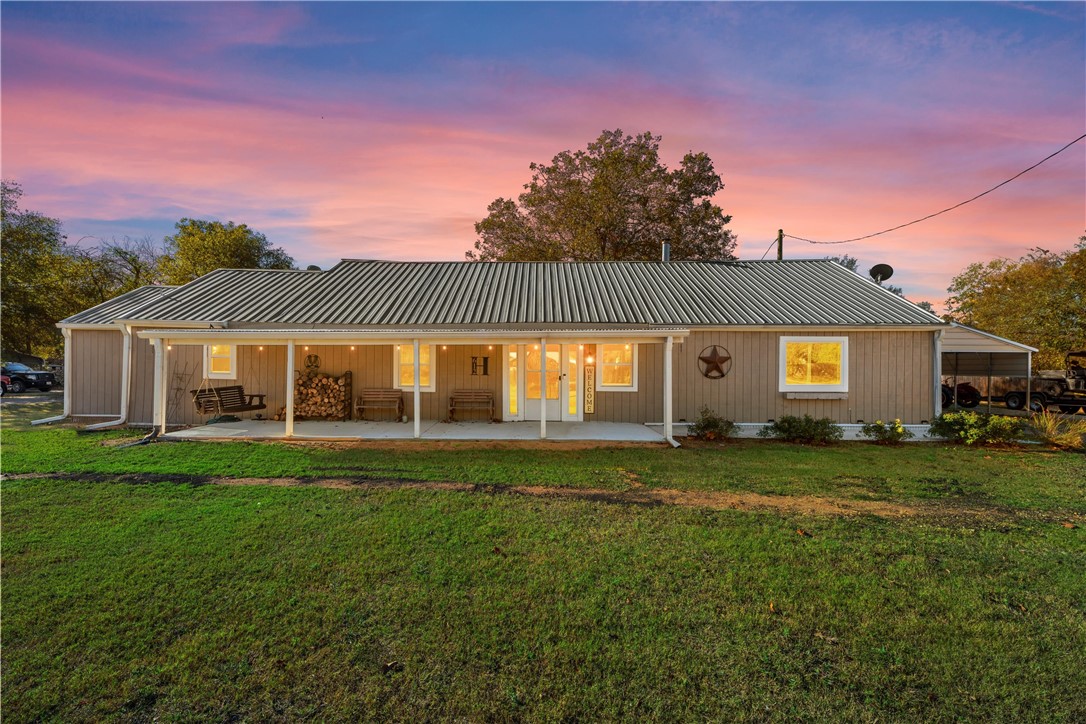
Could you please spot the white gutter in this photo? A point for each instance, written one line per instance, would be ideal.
(126, 382)
(67, 388)
(400, 336)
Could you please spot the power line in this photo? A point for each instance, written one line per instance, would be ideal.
(771, 245)
(937, 213)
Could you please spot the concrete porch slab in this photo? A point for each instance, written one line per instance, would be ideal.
(431, 430)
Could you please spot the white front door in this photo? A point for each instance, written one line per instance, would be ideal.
(529, 391)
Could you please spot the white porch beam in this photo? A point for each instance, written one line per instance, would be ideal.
(417, 391)
(668, 391)
(543, 388)
(290, 389)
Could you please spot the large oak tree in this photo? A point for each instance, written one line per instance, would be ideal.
(199, 247)
(614, 200)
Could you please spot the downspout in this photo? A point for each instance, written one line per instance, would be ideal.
(937, 375)
(126, 381)
(67, 388)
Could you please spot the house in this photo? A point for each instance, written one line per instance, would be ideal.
(619, 342)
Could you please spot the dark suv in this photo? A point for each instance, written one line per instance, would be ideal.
(23, 377)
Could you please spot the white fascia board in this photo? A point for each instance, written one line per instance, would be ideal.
(400, 336)
(989, 335)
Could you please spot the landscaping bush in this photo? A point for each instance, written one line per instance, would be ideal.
(1057, 430)
(804, 429)
(711, 426)
(971, 428)
(886, 434)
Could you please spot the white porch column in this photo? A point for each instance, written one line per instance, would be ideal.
(417, 403)
(290, 389)
(937, 373)
(164, 390)
(668, 392)
(158, 408)
(543, 388)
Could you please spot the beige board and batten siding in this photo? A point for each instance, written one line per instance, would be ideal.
(259, 371)
(890, 377)
(374, 366)
(94, 376)
(644, 405)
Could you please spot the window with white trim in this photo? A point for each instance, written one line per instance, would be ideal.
(403, 362)
(814, 364)
(220, 361)
(617, 365)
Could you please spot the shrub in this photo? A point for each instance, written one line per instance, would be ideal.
(804, 429)
(886, 434)
(971, 428)
(1058, 431)
(711, 426)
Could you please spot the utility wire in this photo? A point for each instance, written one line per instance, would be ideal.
(771, 245)
(937, 213)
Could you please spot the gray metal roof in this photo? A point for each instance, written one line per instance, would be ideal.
(526, 294)
(118, 307)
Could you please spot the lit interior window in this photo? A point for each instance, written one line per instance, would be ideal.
(616, 363)
(405, 358)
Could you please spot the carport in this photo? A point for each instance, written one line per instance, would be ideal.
(970, 352)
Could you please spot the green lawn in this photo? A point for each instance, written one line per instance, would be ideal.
(180, 601)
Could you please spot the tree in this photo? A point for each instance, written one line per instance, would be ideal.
(200, 247)
(33, 265)
(1039, 300)
(615, 200)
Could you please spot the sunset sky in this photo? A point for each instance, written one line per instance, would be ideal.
(384, 130)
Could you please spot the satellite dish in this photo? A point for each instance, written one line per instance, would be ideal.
(881, 272)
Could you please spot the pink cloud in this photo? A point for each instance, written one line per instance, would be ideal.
(359, 178)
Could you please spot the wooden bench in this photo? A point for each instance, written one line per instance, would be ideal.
(471, 400)
(223, 400)
(377, 398)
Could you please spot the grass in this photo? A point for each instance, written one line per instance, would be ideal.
(178, 601)
(1029, 477)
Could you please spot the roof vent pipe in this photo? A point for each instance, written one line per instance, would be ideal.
(665, 253)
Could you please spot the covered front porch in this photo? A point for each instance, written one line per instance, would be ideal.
(605, 385)
(429, 430)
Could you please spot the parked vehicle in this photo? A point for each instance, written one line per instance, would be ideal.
(4, 382)
(1064, 388)
(22, 377)
(968, 396)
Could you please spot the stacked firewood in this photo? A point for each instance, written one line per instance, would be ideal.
(318, 396)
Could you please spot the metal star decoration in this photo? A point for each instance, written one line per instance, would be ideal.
(715, 362)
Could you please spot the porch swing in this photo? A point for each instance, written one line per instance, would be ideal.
(223, 402)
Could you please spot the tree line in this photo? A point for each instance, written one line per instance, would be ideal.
(44, 278)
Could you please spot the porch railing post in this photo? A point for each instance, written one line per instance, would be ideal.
(543, 388)
(417, 403)
(668, 392)
(290, 389)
